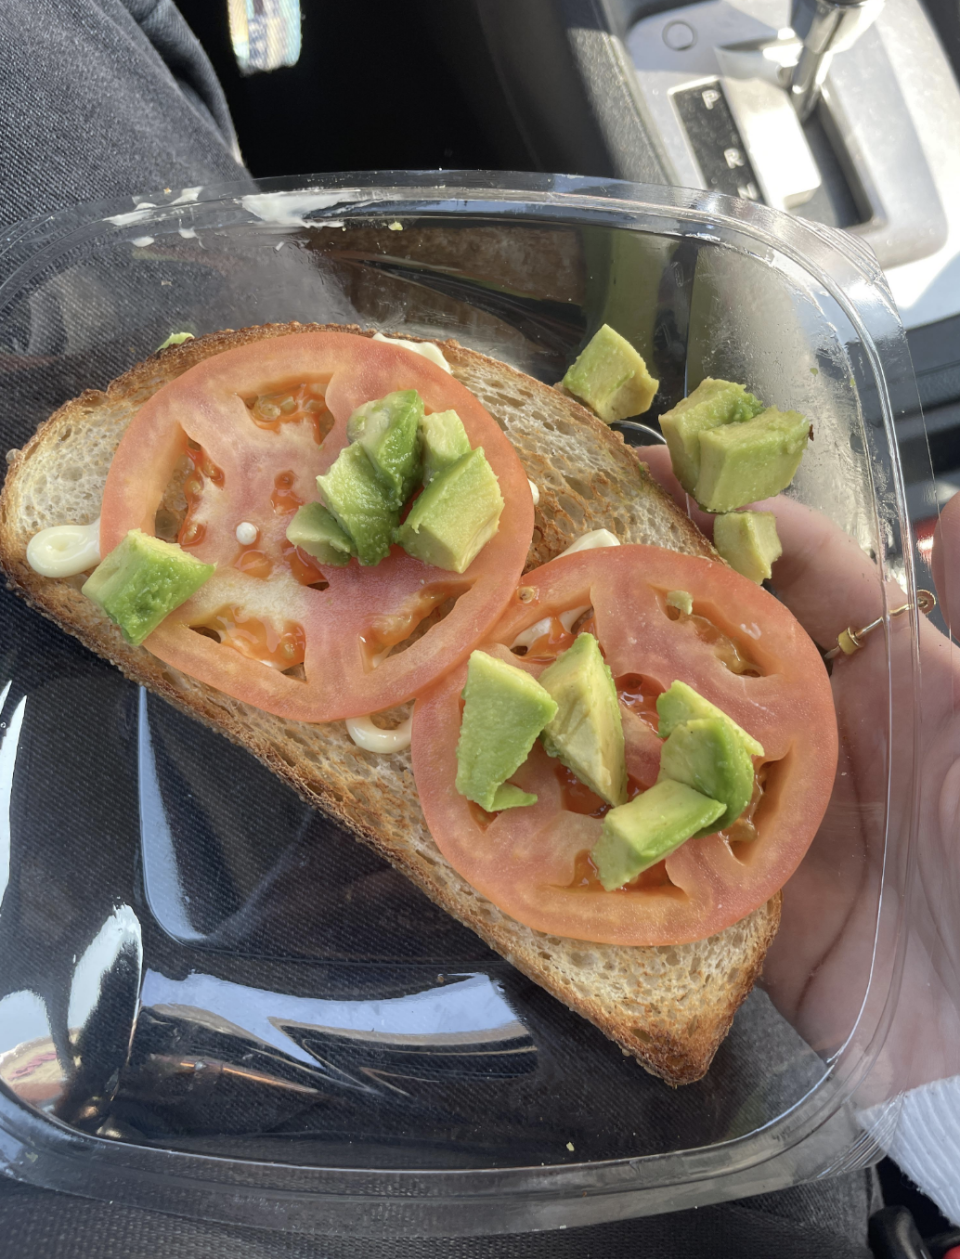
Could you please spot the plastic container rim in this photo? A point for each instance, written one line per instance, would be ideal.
(32, 1147)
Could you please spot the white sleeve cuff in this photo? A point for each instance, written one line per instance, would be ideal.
(926, 1141)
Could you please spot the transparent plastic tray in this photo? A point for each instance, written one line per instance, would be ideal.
(213, 1002)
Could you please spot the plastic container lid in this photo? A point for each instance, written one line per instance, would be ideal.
(215, 1003)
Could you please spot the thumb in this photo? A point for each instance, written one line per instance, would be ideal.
(660, 467)
(945, 562)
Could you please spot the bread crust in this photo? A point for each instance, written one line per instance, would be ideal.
(668, 1006)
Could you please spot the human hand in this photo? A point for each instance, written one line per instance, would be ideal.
(817, 969)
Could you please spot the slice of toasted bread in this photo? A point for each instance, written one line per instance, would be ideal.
(669, 1006)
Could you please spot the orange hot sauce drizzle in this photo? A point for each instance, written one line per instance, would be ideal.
(578, 798)
(388, 631)
(556, 640)
(254, 562)
(550, 645)
(743, 830)
(257, 639)
(303, 566)
(283, 499)
(268, 411)
(585, 877)
(202, 469)
(725, 649)
(290, 406)
(639, 694)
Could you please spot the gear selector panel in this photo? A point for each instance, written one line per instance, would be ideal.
(716, 141)
(840, 147)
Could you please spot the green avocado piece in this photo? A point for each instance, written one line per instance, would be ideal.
(586, 735)
(175, 338)
(707, 755)
(389, 431)
(143, 580)
(354, 495)
(682, 703)
(444, 441)
(611, 377)
(740, 463)
(314, 530)
(507, 796)
(637, 835)
(504, 709)
(749, 542)
(455, 516)
(712, 403)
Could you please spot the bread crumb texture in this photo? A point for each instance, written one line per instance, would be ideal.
(668, 1006)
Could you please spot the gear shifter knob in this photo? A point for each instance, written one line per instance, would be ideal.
(824, 27)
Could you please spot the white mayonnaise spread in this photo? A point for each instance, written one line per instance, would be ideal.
(535, 492)
(591, 541)
(64, 550)
(427, 349)
(372, 739)
(247, 533)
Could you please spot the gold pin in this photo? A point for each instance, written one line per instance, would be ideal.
(851, 640)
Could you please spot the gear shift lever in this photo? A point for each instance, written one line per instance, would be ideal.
(824, 27)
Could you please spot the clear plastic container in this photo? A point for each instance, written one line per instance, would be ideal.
(213, 1002)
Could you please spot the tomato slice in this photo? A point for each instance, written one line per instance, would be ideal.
(533, 863)
(253, 426)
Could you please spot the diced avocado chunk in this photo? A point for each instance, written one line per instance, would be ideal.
(712, 403)
(682, 703)
(748, 541)
(611, 377)
(586, 735)
(740, 463)
(637, 835)
(507, 796)
(354, 495)
(143, 580)
(444, 441)
(455, 516)
(707, 755)
(682, 600)
(314, 530)
(504, 709)
(175, 338)
(389, 431)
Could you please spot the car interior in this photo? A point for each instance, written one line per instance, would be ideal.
(845, 113)
(629, 89)
(842, 113)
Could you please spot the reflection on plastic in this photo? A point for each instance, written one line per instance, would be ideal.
(119, 934)
(472, 1010)
(159, 862)
(72, 1068)
(31, 1069)
(8, 763)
